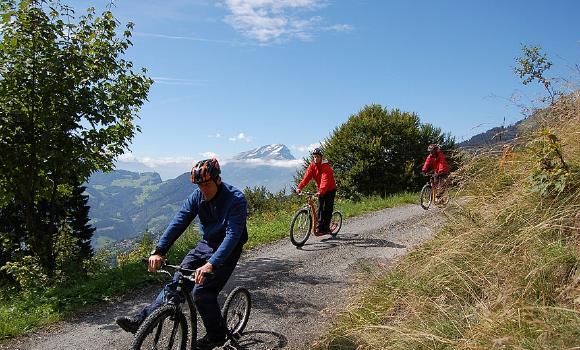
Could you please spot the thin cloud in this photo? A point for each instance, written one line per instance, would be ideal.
(215, 136)
(276, 21)
(339, 28)
(188, 38)
(175, 81)
(239, 137)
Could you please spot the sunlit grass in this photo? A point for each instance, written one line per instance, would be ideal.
(502, 274)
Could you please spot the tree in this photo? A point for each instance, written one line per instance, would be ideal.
(532, 66)
(379, 152)
(68, 104)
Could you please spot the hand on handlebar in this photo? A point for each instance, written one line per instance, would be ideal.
(155, 262)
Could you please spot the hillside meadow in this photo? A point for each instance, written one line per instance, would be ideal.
(504, 272)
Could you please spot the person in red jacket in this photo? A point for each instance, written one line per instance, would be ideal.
(436, 161)
(323, 175)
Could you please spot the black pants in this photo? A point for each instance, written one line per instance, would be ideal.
(325, 208)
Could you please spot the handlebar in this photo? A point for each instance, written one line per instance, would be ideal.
(208, 275)
(307, 193)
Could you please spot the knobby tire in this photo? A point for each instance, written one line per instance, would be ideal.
(335, 223)
(236, 310)
(426, 196)
(301, 224)
(162, 324)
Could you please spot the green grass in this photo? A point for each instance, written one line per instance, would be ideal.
(22, 313)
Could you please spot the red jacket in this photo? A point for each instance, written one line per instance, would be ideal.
(323, 176)
(438, 162)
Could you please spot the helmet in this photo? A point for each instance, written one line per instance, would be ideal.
(432, 148)
(205, 170)
(318, 151)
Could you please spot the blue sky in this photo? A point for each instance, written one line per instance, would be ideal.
(238, 74)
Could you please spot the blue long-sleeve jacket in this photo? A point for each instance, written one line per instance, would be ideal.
(222, 222)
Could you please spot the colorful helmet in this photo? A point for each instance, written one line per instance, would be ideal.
(318, 151)
(205, 170)
(432, 148)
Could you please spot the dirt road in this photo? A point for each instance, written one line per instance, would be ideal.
(295, 292)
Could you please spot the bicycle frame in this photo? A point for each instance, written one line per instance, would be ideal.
(188, 298)
(311, 206)
(190, 304)
(434, 188)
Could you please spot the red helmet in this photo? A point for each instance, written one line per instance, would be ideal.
(205, 170)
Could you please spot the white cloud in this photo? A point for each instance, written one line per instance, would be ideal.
(216, 135)
(306, 148)
(275, 21)
(293, 163)
(207, 155)
(339, 28)
(239, 137)
(165, 161)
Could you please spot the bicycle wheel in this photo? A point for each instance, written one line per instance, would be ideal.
(335, 223)
(236, 310)
(165, 328)
(426, 196)
(300, 227)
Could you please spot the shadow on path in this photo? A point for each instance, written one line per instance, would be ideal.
(260, 339)
(353, 240)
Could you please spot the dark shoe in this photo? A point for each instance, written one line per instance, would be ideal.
(209, 342)
(128, 324)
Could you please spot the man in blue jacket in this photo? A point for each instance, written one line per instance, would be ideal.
(222, 212)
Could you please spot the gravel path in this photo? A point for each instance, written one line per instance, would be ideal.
(295, 292)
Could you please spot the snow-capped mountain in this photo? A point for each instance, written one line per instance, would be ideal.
(267, 152)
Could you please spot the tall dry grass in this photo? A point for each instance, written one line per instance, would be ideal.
(502, 274)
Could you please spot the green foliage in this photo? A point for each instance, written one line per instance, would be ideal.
(66, 253)
(68, 101)
(28, 273)
(551, 175)
(260, 199)
(143, 248)
(379, 152)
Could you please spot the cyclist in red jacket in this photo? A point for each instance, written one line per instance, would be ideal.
(323, 175)
(436, 161)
